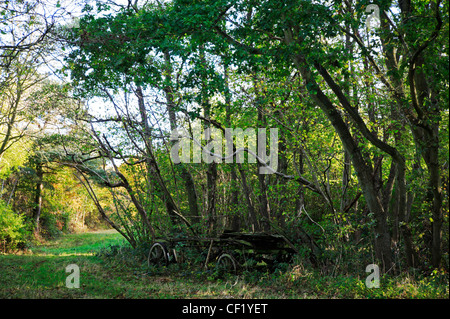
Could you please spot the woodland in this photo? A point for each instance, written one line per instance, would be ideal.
(92, 92)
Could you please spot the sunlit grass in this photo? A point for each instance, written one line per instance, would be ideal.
(79, 244)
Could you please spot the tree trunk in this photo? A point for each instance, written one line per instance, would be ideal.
(211, 177)
(346, 173)
(85, 182)
(263, 202)
(425, 123)
(282, 189)
(38, 196)
(233, 221)
(435, 195)
(251, 210)
(184, 173)
(152, 166)
(382, 237)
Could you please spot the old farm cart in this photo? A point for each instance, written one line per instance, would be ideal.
(230, 251)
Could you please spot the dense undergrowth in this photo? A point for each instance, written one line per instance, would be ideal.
(111, 268)
(299, 279)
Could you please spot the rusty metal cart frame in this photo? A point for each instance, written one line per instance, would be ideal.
(230, 250)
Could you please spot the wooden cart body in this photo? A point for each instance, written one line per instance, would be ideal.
(230, 251)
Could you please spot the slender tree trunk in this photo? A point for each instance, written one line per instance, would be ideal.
(263, 202)
(85, 182)
(346, 173)
(301, 190)
(382, 236)
(184, 173)
(38, 197)
(403, 217)
(435, 196)
(233, 221)
(425, 123)
(235, 218)
(211, 177)
(251, 210)
(282, 189)
(152, 166)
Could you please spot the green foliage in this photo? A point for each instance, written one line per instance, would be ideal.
(13, 229)
(244, 64)
(13, 158)
(52, 225)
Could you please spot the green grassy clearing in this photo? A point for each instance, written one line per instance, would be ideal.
(119, 272)
(83, 243)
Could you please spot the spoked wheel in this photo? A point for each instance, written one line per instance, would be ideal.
(226, 264)
(158, 254)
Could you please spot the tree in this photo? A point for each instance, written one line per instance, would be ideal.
(25, 25)
(289, 28)
(371, 85)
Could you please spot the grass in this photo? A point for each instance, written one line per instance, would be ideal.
(41, 273)
(109, 269)
(83, 243)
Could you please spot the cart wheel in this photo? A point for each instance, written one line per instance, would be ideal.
(158, 254)
(226, 264)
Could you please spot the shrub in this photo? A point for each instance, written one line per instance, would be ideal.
(51, 225)
(13, 230)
